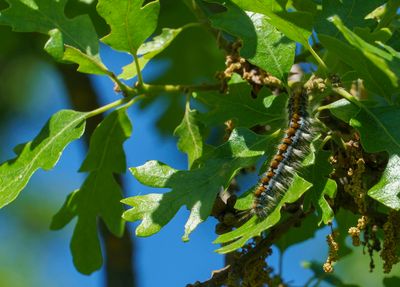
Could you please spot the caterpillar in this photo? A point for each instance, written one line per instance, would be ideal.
(273, 184)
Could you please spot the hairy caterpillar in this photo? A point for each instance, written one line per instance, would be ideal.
(291, 150)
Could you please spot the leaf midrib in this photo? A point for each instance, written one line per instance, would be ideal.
(33, 161)
(275, 60)
(65, 32)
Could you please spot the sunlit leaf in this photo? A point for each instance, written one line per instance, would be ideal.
(375, 66)
(196, 189)
(387, 190)
(295, 25)
(263, 45)
(43, 16)
(343, 110)
(149, 50)
(254, 227)
(190, 133)
(87, 64)
(131, 24)
(43, 152)
(274, 52)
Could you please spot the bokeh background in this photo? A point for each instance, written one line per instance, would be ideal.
(33, 87)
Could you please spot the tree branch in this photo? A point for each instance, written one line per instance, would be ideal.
(220, 277)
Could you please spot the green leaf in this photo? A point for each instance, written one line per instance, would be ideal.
(239, 106)
(129, 71)
(390, 16)
(100, 194)
(370, 51)
(153, 173)
(296, 25)
(43, 16)
(305, 5)
(374, 65)
(342, 109)
(382, 35)
(87, 64)
(263, 45)
(274, 52)
(352, 13)
(257, 5)
(298, 234)
(66, 213)
(236, 22)
(55, 45)
(254, 227)
(378, 128)
(131, 24)
(379, 132)
(345, 219)
(375, 78)
(190, 133)
(318, 174)
(391, 281)
(389, 49)
(149, 50)
(196, 188)
(387, 190)
(43, 152)
(106, 151)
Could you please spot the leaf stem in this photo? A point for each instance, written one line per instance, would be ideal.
(108, 107)
(345, 94)
(126, 90)
(132, 95)
(194, 24)
(317, 57)
(145, 88)
(134, 100)
(139, 82)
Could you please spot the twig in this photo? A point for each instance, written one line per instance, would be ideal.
(148, 89)
(220, 277)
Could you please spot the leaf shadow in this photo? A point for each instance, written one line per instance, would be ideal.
(197, 189)
(232, 13)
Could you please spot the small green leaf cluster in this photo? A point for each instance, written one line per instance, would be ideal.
(265, 41)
